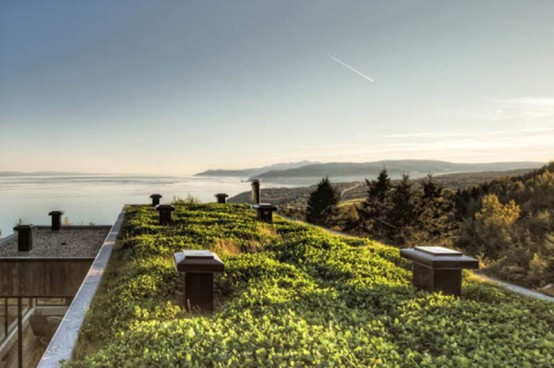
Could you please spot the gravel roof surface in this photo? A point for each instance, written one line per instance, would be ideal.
(71, 241)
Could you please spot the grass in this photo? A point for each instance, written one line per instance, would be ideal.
(294, 295)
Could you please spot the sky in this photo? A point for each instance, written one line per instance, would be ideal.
(178, 87)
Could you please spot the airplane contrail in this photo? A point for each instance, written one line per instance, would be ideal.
(351, 68)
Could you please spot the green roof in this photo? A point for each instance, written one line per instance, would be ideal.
(294, 295)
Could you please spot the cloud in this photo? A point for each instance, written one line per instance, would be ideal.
(534, 102)
(516, 108)
(528, 107)
(471, 135)
(475, 146)
(528, 110)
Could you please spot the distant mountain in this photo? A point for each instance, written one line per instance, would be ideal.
(395, 168)
(297, 197)
(255, 171)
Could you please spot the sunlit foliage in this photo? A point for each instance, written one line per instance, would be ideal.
(294, 295)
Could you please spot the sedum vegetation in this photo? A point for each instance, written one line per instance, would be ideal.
(293, 295)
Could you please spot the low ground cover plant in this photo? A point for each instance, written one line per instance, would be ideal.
(294, 295)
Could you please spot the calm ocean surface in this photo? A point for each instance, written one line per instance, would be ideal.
(99, 198)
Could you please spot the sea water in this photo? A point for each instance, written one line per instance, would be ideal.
(97, 199)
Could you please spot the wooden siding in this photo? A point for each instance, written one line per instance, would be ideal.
(42, 277)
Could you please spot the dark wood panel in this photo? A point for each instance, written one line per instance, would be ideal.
(42, 277)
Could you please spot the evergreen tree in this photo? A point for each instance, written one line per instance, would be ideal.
(435, 214)
(322, 202)
(461, 202)
(374, 211)
(378, 189)
(402, 216)
(430, 189)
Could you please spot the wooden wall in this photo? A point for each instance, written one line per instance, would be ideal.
(42, 277)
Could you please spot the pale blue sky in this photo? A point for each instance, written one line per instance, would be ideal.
(177, 87)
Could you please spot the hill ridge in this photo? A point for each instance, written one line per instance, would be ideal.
(416, 168)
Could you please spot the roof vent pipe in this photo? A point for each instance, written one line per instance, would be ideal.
(24, 237)
(155, 199)
(256, 191)
(56, 220)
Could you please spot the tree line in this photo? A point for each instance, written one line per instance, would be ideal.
(507, 223)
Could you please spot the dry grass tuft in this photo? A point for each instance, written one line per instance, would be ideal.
(265, 230)
(230, 247)
(226, 247)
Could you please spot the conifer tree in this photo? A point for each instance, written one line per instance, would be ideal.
(378, 189)
(435, 214)
(373, 213)
(402, 216)
(322, 202)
